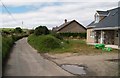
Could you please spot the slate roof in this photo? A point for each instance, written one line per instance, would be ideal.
(63, 25)
(111, 20)
(103, 13)
(92, 24)
(66, 24)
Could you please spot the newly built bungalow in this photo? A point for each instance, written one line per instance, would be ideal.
(105, 28)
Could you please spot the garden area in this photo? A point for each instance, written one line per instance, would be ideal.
(56, 43)
(72, 49)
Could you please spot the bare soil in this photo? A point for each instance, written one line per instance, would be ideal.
(105, 64)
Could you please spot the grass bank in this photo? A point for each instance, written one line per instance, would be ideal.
(44, 43)
(7, 43)
(70, 46)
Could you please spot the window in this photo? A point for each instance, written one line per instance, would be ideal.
(96, 18)
(92, 34)
(116, 33)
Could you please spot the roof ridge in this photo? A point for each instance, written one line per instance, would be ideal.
(113, 8)
(67, 23)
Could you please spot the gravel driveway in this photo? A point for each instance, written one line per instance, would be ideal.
(25, 61)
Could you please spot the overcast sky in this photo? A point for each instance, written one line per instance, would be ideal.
(52, 13)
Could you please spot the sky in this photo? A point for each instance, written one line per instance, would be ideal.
(50, 13)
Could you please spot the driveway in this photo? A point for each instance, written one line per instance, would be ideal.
(25, 61)
(104, 64)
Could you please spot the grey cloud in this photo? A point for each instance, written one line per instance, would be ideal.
(54, 15)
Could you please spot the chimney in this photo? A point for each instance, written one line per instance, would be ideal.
(65, 20)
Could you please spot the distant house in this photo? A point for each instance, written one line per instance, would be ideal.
(105, 28)
(71, 26)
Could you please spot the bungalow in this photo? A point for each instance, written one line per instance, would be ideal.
(105, 28)
(71, 26)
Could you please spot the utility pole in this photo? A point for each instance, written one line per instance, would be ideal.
(22, 24)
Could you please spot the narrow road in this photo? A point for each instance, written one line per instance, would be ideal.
(25, 61)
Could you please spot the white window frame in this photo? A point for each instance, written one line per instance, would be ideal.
(97, 18)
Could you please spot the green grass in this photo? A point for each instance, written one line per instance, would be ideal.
(7, 42)
(6, 29)
(44, 43)
(68, 46)
(0, 49)
(12, 30)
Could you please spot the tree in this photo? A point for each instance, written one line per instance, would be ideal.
(31, 31)
(18, 30)
(41, 30)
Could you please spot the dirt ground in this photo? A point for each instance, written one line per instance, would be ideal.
(104, 64)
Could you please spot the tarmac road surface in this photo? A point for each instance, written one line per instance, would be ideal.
(26, 61)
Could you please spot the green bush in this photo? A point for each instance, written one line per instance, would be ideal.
(81, 35)
(57, 35)
(19, 36)
(7, 39)
(18, 30)
(7, 43)
(31, 31)
(44, 43)
(41, 30)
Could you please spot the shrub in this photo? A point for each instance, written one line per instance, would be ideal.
(18, 30)
(57, 35)
(7, 42)
(31, 31)
(17, 37)
(81, 35)
(51, 42)
(44, 43)
(5, 33)
(41, 30)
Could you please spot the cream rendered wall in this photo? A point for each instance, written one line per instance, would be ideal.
(89, 38)
(116, 40)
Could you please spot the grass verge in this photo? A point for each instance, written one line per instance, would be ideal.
(7, 43)
(65, 46)
(44, 43)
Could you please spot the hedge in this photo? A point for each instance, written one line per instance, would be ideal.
(81, 35)
(7, 43)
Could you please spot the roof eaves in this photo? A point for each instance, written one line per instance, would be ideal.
(107, 28)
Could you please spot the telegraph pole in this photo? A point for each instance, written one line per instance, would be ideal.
(22, 24)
